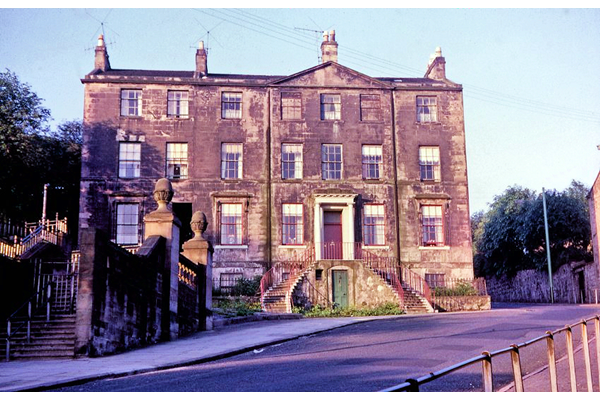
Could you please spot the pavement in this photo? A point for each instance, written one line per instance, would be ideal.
(229, 338)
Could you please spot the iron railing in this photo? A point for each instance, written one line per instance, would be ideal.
(34, 304)
(486, 361)
(47, 231)
(387, 268)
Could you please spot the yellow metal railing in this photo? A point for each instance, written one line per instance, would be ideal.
(486, 361)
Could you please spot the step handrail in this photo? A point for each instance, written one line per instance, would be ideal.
(47, 289)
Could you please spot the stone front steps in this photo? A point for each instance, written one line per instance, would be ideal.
(275, 300)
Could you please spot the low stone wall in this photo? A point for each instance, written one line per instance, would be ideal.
(462, 303)
(120, 298)
(572, 283)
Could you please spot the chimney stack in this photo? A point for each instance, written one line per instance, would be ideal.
(329, 47)
(101, 62)
(436, 69)
(201, 61)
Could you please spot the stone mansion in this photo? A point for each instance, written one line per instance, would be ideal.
(327, 159)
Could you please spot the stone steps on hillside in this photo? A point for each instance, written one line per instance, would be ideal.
(48, 339)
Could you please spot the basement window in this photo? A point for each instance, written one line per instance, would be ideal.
(319, 274)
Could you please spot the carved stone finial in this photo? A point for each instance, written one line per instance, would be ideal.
(163, 194)
(198, 224)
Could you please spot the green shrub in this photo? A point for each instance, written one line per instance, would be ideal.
(460, 289)
(247, 287)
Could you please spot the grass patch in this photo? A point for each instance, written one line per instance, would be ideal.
(235, 307)
(323, 312)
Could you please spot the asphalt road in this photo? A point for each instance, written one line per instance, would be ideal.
(372, 356)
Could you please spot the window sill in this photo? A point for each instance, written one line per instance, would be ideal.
(427, 123)
(375, 247)
(292, 246)
(231, 247)
(372, 122)
(434, 247)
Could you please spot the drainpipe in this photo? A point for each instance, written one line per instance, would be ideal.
(269, 205)
(395, 175)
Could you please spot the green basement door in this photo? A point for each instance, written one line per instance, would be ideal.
(340, 288)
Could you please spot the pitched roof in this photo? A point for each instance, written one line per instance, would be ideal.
(382, 82)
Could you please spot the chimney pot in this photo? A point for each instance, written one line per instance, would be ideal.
(101, 58)
(201, 61)
(329, 47)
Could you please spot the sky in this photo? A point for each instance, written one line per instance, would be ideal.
(530, 76)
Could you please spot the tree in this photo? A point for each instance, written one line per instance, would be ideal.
(32, 155)
(569, 227)
(511, 235)
(500, 247)
(22, 119)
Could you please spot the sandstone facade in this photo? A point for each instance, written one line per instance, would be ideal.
(281, 165)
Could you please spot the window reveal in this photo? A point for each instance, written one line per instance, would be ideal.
(231, 160)
(371, 161)
(177, 104)
(291, 105)
(370, 107)
(432, 225)
(131, 103)
(331, 161)
(291, 161)
(177, 160)
(331, 107)
(429, 163)
(127, 223)
(427, 109)
(231, 224)
(129, 159)
(374, 225)
(231, 105)
(292, 224)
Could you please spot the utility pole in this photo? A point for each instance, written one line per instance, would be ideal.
(44, 203)
(548, 245)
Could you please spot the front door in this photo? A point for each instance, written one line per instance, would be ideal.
(332, 235)
(339, 290)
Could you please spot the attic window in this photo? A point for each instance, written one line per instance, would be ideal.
(370, 107)
(231, 105)
(426, 109)
(331, 107)
(291, 105)
(177, 104)
(131, 103)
